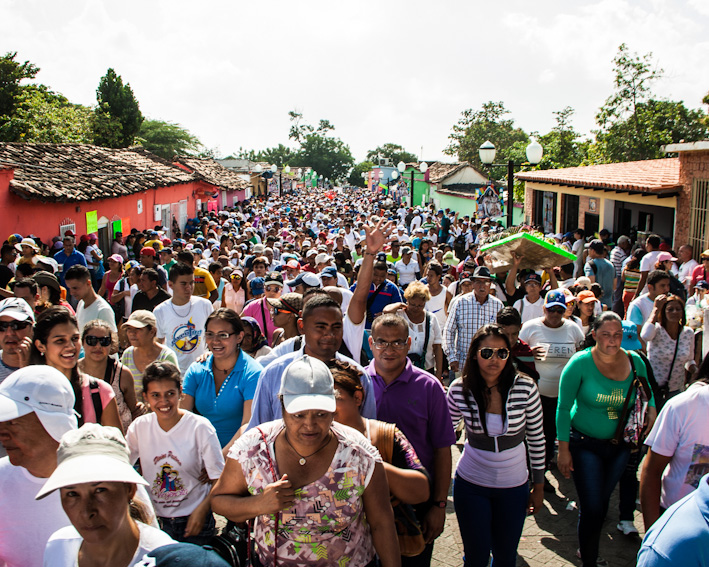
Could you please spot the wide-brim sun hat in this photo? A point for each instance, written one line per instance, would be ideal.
(93, 453)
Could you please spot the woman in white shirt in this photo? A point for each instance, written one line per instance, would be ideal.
(97, 485)
(670, 345)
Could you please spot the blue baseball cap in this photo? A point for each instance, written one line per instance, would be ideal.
(329, 272)
(630, 336)
(555, 298)
(258, 285)
(176, 554)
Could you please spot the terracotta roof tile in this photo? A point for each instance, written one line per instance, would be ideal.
(81, 172)
(648, 176)
(215, 173)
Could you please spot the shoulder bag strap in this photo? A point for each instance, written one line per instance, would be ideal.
(384, 441)
(263, 316)
(674, 357)
(277, 515)
(428, 333)
(96, 399)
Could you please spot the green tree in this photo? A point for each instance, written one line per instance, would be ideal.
(167, 139)
(12, 73)
(394, 152)
(355, 176)
(562, 147)
(330, 157)
(117, 117)
(658, 122)
(280, 155)
(489, 123)
(42, 116)
(299, 130)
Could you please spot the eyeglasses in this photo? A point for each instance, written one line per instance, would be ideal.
(221, 336)
(396, 345)
(273, 288)
(14, 325)
(486, 353)
(93, 340)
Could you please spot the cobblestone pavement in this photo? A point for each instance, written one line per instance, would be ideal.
(549, 538)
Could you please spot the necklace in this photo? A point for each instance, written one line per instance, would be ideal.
(303, 458)
(490, 388)
(189, 303)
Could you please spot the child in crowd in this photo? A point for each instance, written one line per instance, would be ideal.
(174, 446)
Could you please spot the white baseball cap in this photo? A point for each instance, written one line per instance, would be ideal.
(43, 390)
(16, 308)
(307, 384)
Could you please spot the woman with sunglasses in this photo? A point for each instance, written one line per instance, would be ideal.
(502, 411)
(57, 343)
(254, 343)
(592, 392)
(234, 296)
(222, 387)
(285, 312)
(99, 342)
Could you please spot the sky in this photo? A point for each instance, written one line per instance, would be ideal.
(380, 71)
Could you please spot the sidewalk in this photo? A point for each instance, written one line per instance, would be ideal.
(549, 538)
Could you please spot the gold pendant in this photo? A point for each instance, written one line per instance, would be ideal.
(301, 461)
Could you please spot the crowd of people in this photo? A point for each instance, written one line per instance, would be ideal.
(302, 366)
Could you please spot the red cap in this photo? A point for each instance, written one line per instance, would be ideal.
(147, 251)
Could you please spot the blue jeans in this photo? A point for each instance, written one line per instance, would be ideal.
(598, 466)
(490, 520)
(175, 528)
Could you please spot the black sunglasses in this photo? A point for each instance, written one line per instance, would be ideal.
(487, 353)
(93, 340)
(14, 325)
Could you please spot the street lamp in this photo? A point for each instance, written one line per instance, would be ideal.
(322, 181)
(258, 170)
(423, 168)
(487, 152)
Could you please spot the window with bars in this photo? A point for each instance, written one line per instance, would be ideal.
(66, 225)
(698, 216)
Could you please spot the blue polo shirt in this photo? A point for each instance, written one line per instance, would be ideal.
(225, 409)
(72, 259)
(389, 294)
(416, 403)
(681, 535)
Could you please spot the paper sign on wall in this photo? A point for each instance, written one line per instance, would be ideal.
(117, 227)
(126, 225)
(91, 222)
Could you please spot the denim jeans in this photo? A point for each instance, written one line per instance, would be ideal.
(549, 424)
(628, 487)
(490, 520)
(598, 465)
(175, 528)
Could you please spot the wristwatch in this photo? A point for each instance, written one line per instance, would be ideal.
(440, 503)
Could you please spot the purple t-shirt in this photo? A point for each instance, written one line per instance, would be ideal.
(416, 402)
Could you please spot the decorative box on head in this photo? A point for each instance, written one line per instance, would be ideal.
(537, 252)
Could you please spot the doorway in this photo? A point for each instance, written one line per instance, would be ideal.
(571, 213)
(591, 223)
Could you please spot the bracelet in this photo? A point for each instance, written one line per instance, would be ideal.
(440, 503)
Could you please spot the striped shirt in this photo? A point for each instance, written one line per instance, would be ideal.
(466, 315)
(523, 415)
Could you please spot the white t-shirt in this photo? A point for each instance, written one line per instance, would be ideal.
(528, 310)
(407, 272)
(578, 248)
(63, 547)
(644, 305)
(99, 309)
(685, 272)
(561, 344)
(681, 432)
(437, 306)
(417, 332)
(25, 531)
(183, 328)
(90, 260)
(172, 461)
(647, 263)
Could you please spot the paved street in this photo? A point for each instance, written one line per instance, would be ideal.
(549, 538)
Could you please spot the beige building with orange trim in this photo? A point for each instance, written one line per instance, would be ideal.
(669, 197)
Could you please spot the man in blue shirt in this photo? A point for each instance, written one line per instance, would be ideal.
(599, 269)
(382, 292)
(321, 326)
(681, 535)
(68, 257)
